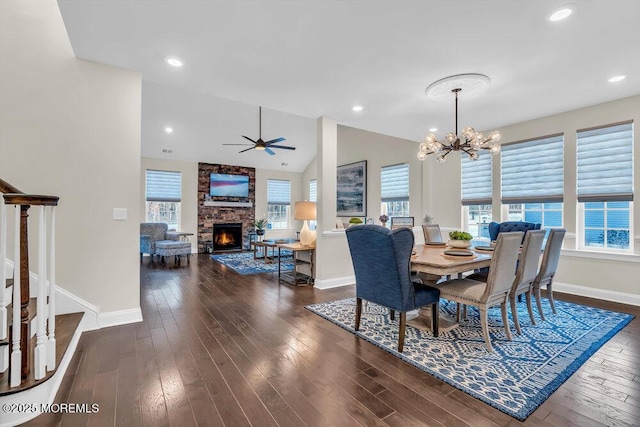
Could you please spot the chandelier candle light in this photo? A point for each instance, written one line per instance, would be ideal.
(305, 211)
(473, 141)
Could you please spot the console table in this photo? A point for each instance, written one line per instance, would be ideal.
(304, 264)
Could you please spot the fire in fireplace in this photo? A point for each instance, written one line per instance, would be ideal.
(227, 237)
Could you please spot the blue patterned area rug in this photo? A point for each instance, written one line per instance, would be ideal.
(243, 263)
(519, 375)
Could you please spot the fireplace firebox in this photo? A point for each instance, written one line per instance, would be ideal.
(227, 237)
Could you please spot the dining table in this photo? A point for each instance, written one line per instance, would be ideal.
(432, 259)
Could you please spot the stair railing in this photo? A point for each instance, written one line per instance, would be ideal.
(42, 358)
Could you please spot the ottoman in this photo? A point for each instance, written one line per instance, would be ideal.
(173, 248)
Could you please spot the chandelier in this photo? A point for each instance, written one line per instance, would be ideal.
(473, 141)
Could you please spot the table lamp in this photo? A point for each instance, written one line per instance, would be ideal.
(305, 211)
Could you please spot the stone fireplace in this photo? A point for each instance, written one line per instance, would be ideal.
(214, 212)
(227, 237)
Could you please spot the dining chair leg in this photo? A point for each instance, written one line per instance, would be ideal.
(539, 302)
(392, 314)
(484, 321)
(358, 313)
(435, 318)
(550, 296)
(505, 319)
(403, 324)
(530, 307)
(514, 314)
(458, 308)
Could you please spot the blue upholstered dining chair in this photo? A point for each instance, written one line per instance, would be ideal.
(382, 264)
(496, 228)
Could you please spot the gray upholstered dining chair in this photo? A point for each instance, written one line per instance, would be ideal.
(432, 233)
(548, 268)
(526, 273)
(495, 290)
(381, 261)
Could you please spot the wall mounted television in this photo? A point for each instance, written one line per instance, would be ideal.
(225, 185)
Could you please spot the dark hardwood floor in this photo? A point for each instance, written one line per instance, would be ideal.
(216, 348)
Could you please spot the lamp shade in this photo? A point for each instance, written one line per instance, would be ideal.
(305, 211)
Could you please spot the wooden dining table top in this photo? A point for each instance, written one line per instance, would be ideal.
(430, 259)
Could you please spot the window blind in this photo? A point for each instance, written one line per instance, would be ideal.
(605, 164)
(163, 186)
(476, 180)
(313, 190)
(533, 171)
(394, 183)
(278, 192)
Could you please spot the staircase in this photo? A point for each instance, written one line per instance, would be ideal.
(33, 340)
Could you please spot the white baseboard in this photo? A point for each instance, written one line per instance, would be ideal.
(334, 283)
(120, 317)
(602, 294)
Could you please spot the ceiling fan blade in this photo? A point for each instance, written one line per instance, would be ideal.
(246, 137)
(275, 141)
(246, 149)
(270, 151)
(236, 144)
(282, 146)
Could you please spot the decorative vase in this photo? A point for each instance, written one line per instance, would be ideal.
(260, 232)
(384, 224)
(459, 243)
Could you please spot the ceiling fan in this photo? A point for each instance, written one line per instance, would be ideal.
(261, 145)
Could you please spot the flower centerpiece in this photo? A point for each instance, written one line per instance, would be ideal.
(260, 225)
(383, 219)
(460, 239)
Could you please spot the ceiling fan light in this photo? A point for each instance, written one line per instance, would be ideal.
(260, 148)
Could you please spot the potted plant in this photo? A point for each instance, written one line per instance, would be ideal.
(354, 221)
(260, 225)
(460, 239)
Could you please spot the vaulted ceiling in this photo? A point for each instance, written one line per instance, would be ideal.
(304, 59)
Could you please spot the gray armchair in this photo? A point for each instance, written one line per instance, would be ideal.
(382, 264)
(152, 232)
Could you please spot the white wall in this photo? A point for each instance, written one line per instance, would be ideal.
(71, 128)
(189, 201)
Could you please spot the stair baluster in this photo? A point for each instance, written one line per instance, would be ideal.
(40, 355)
(51, 343)
(4, 324)
(15, 377)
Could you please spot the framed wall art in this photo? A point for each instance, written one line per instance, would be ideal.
(352, 189)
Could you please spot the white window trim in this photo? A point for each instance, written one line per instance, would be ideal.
(580, 235)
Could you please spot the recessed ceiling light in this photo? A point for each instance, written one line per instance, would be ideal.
(175, 62)
(563, 12)
(168, 129)
(433, 129)
(617, 78)
(357, 108)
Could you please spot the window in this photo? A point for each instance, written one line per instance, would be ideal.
(478, 218)
(313, 197)
(547, 214)
(313, 190)
(278, 203)
(476, 195)
(394, 189)
(163, 195)
(605, 186)
(533, 180)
